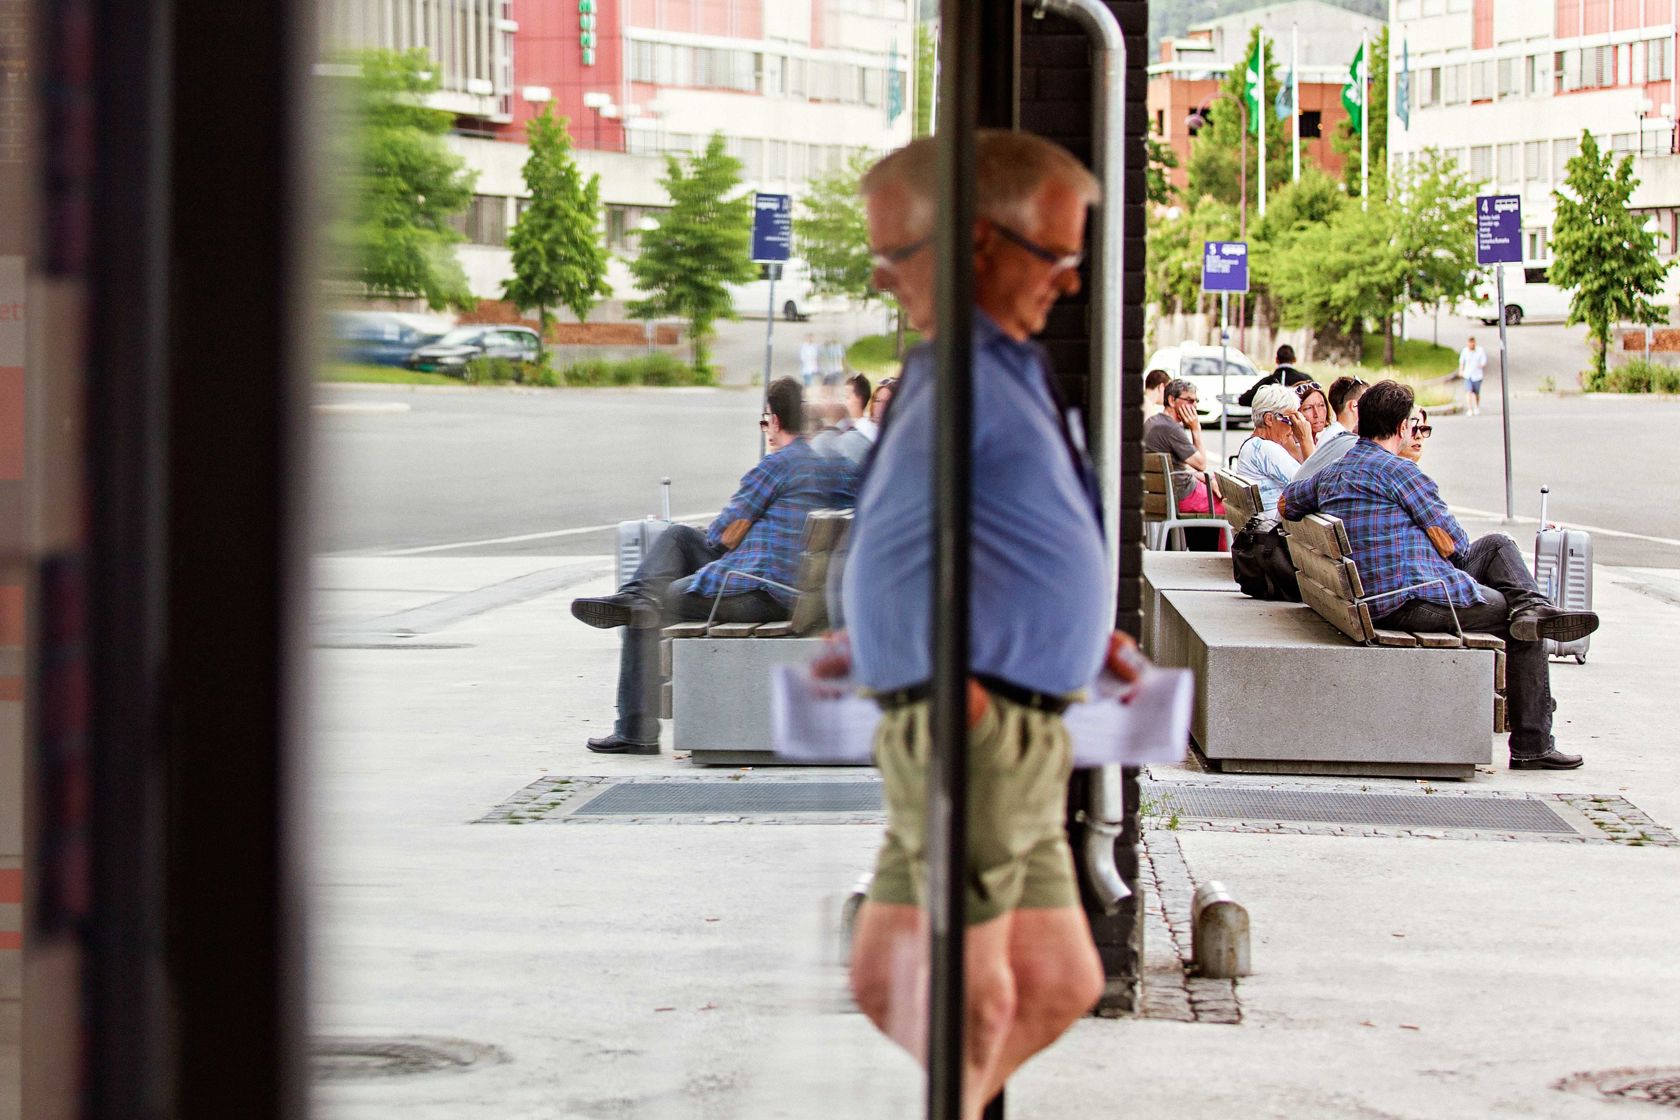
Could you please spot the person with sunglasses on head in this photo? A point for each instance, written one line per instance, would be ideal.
(739, 569)
(1422, 573)
(1281, 442)
(1315, 407)
(1339, 434)
(1037, 611)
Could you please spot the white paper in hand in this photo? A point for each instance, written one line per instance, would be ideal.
(1133, 724)
(820, 721)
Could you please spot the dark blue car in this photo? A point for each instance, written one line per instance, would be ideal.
(381, 338)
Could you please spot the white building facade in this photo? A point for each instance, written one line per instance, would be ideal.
(1508, 86)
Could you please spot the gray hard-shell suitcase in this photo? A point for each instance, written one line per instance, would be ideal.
(1563, 567)
(635, 538)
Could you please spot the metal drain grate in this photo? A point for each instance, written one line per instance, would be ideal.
(675, 798)
(1652, 1086)
(1488, 814)
(353, 1059)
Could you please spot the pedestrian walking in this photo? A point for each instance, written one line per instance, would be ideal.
(1472, 361)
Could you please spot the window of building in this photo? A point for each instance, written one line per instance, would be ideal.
(1535, 65)
(1427, 84)
(1535, 245)
(771, 83)
(1621, 143)
(485, 220)
(776, 166)
(624, 225)
(1451, 83)
(1659, 60)
(1510, 77)
(1510, 163)
(1481, 80)
(1312, 124)
(1534, 161)
(1562, 152)
(752, 159)
(1481, 162)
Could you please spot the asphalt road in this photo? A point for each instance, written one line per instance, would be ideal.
(506, 471)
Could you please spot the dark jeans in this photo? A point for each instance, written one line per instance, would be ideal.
(666, 574)
(1495, 563)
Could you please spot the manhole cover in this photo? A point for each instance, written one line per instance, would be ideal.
(1652, 1086)
(662, 798)
(1496, 814)
(351, 1059)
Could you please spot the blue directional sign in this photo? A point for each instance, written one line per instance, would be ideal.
(1498, 229)
(1224, 266)
(772, 227)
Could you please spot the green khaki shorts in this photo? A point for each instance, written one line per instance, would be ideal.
(1018, 856)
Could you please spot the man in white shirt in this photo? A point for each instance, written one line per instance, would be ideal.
(1472, 360)
(1281, 442)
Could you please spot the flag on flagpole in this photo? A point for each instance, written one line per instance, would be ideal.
(1286, 91)
(1252, 87)
(1353, 94)
(1403, 88)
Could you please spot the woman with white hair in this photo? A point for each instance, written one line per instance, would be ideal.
(1281, 442)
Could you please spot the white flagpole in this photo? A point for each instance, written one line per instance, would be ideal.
(1295, 100)
(1265, 111)
(1364, 120)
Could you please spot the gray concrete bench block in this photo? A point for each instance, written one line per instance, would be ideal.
(1278, 690)
(1180, 571)
(720, 696)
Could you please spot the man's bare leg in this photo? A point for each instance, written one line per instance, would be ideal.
(1058, 978)
(889, 972)
(991, 1010)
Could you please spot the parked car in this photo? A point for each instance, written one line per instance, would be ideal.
(451, 353)
(1528, 296)
(794, 299)
(382, 338)
(1199, 365)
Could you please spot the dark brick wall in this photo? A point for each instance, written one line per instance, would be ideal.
(1055, 101)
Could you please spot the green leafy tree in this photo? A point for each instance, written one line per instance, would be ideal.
(558, 257)
(1343, 273)
(833, 233)
(1435, 231)
(403, 187)
(1158, 186)
(927, 47)
(702, 244)
(1173, 277)
(1345, 140)
(1215, 163)
(1603, 251)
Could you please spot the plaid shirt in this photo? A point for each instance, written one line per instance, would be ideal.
(1391, 511)
(775, 496)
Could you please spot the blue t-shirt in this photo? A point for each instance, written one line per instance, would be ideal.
(1039, 581)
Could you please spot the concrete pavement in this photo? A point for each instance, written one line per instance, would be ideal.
(688, 970)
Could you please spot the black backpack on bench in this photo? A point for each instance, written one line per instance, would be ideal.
(1260, 561)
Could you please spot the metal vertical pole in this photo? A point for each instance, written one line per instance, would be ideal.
(1224, 343)
(1295, 100)
(1261, 110)
(947, 810)
(1364, 120)
(1505, 393)
(769, 352)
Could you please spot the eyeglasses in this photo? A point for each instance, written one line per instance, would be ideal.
(1306, 388)
(889, 259)
(1421, 431)
(764, 423)
(1058, 262)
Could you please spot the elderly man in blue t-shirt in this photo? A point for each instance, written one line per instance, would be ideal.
(1039, 633)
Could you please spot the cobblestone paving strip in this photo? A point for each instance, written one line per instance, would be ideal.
(1171, 990)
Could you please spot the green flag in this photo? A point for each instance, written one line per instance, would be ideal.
(1353, 94)
(1252, 80)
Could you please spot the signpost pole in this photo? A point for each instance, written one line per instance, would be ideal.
(1224, 368)
(1504, 393)
(772, 243)
(769, 352)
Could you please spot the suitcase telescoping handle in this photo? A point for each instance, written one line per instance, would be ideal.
(665, 499)
(1545, 492)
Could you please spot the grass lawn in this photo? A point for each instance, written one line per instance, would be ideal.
(1415, 362)
(381, 375)
(872, 355)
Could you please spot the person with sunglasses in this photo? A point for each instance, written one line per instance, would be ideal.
(1416, 431)
(742, 567)
(1422, 573)
(1281, 442)
(1315, 407)
(1038, 634)
(1338, 435)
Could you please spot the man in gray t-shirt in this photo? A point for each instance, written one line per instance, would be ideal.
(1177, 431)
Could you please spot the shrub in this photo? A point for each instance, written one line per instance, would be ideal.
(1638, 376)
(657, 368)
(490, 371)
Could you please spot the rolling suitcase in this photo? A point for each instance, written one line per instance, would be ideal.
(1563, 567)
(635, 538)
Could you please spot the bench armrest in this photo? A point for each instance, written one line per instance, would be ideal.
(723, 589)
(1441, 583)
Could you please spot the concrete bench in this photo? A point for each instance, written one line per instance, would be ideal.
(718, 691)
(1180, 571)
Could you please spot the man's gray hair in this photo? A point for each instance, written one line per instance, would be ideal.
(1011, 169)
(1177, 387)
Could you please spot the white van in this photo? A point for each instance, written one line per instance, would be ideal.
(1528, 297)
(794, 299)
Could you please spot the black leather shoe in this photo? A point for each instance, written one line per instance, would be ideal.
(623, 609)
(614, 744)
(1552, 622)
(1553, 759)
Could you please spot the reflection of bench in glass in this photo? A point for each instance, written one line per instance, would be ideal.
(1279, 691)
(718, 693)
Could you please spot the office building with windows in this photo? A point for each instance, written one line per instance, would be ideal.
(1508, 86)
(793, 88)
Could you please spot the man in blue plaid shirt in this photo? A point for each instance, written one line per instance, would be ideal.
(1419, 567)
(750, 552)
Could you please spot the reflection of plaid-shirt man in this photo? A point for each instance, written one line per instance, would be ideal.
(767, 518)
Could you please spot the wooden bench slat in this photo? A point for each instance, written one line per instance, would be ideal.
(733, 630)
(686, 630)
(1319, 534)
(1156, 506)
(1477, 640)
(1334, 609)
(1439, 641)
(1501, 713)
(665, 659)
(813, 571)
(1498, 670)
(775, 630)
(825, 529)
(1335, 575)
(665, 691)
(1394, 638)
(810, 612)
